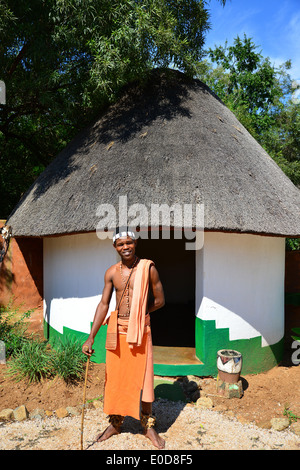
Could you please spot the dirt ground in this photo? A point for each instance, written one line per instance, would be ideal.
(266, 395)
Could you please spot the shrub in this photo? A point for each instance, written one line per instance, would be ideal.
(67, 359)
(13, 329)
(296, 334)
(31, 362)
(32, 359)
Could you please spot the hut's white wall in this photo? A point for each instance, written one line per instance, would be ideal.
(240, 285)
(239, 282)
(74, 268)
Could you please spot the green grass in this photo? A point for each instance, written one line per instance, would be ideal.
(31, 362)
(37, 360)
(13, 328)
(32, 359)
(67, 359)
(292, 417)
(296, 335)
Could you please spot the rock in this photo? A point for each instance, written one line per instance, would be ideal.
(183, 380)
(195, 395)
(191, 387)
(20, 413)
(73, 410)
(264, 424)
(204, 402)
(279, 424)
(228, 390)
(295, 428)
(7, 414)
(48, 413)
(97, 404)
(62, 413)
(194, 378)
(38, 413)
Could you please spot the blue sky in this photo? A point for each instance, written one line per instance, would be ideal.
(273, 25)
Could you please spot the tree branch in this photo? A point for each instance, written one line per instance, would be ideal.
(18, 59)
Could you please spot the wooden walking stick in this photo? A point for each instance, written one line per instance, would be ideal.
(83, 404)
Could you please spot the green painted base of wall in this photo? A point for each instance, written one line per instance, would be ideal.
(256, 358)
(99, 344)
(209, 340)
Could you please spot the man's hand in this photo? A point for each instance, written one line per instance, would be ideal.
(87, 347)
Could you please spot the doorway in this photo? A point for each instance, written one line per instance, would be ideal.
(173, 326)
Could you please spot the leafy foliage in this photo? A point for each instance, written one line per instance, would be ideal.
(67, 359)
(292, 417)
(36, 360)
(292, 244)
(31, 362)
(261, 96)
(13, 330)
(63, 61)
(296, 334)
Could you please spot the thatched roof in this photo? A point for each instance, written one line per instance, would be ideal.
(170, 141)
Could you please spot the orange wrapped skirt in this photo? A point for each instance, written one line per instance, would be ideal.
(129, 375)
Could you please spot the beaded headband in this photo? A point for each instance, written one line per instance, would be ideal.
(123, 234)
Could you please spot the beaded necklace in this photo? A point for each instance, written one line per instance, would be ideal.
(127, 288)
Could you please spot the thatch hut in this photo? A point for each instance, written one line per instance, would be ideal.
(170, 141)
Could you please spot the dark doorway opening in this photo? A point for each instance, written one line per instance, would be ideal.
(174, 324)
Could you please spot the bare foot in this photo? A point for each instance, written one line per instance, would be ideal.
(109, 431)
(156, 440)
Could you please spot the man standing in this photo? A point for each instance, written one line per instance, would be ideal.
(129, 362)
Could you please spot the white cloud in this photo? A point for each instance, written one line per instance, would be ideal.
(273, 25)
(293, 29)
(293, 37)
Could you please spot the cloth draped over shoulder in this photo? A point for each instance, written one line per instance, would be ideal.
(138, 309)
(136, 325)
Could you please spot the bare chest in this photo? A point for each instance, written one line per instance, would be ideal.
(124, 289)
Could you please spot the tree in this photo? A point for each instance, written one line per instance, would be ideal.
(262, 98)
(63, 61)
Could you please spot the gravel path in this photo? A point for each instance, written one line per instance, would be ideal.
(184, 427)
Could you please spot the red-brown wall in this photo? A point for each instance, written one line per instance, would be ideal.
(21, 273)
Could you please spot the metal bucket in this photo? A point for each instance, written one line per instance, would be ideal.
(229, 364)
